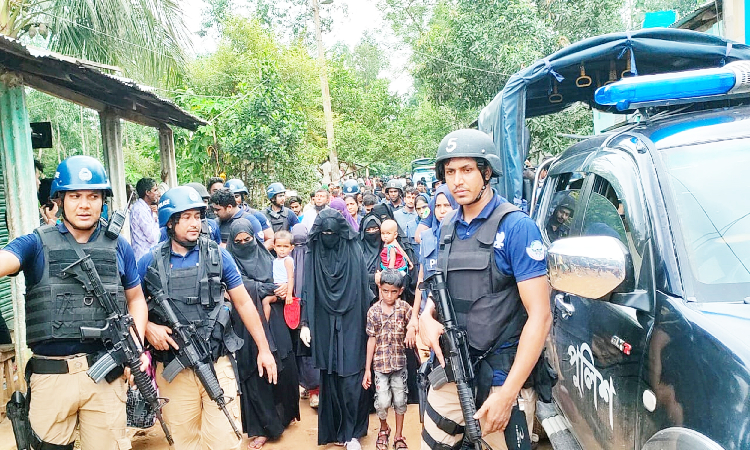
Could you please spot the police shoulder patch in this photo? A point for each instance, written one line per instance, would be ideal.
(499, 240)
(536, 250)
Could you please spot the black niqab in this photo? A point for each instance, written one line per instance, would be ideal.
(372, 244)
(337, 296)
(254, 261)
(299, 240)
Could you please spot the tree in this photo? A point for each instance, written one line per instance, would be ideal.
(470, 50)
(146, 38)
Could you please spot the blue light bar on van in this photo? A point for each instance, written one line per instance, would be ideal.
(734, 78)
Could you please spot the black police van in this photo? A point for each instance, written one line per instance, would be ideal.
(647, 228)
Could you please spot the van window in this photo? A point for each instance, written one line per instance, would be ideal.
(562, 206)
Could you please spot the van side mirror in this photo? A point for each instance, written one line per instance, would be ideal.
(589, 266)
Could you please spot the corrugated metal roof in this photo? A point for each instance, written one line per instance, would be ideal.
(74, 80)
(702, 17)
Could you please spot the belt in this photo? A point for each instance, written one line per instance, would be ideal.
(68, 364)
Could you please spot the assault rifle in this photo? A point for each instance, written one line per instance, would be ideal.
(194, 351)
(119, 335)
(456, 351)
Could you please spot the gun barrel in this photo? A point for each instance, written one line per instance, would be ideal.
(472, 430)
(223, 407)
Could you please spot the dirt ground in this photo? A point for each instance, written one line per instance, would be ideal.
(302, 435)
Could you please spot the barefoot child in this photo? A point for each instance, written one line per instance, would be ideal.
(392, 256)
(387, 322)
(283, 268)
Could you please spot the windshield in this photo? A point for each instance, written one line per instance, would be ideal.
(710, 184)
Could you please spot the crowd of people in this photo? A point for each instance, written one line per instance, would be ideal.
(319, 299)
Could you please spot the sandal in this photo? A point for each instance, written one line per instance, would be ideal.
(399, 443)
(382, 442)
(257, 442)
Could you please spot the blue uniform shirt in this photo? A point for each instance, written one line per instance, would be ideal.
(230, 275)
(30, 252)
(259, 216)
(519, 251)
(257, 227)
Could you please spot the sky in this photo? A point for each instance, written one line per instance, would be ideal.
(361, 16)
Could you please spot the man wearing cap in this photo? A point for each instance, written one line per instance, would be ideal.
(226, 210)
(195, 273)
(209, 226)
(62, 396)
(144, 229)
(394, 194)
(240, 191)
(281, 217)
(557, 224)
(493, 262)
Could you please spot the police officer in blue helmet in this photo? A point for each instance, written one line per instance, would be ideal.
(280, 217)
(351, 187)
(62, 396)
(237, 187)
(198, 273)
(493, 261)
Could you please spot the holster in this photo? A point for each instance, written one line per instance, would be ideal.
(544, 378)
(26, 439)
(18, 413)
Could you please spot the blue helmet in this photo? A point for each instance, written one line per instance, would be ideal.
(177, 200)
(236, 186)
(351, 187)
(274, 189)
(80, 173)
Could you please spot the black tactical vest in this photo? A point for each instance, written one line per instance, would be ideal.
(486, 301)
(279, 220)
(197, 296)
(57, 308)
(225, 227)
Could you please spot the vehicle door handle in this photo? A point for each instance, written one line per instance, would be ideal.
(566, 308)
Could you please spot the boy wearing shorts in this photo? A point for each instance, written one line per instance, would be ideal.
(387, 322)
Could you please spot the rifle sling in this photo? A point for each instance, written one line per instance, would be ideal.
(82, 255)
(435, 445)
(444, 423)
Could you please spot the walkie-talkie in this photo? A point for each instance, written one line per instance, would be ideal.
(117, 221)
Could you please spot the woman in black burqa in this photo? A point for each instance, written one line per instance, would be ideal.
(266, 409)
(337, 297)
(309, 376)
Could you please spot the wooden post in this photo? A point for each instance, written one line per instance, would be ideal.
(167, 156)
(114, 162)
(20, 187)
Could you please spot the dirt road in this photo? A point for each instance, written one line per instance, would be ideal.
(303, 435)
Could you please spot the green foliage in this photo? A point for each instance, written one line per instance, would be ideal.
(574, 20)
(146, 38)
(545, 131)
(76, 131)
(263, 101)
(472, 48)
